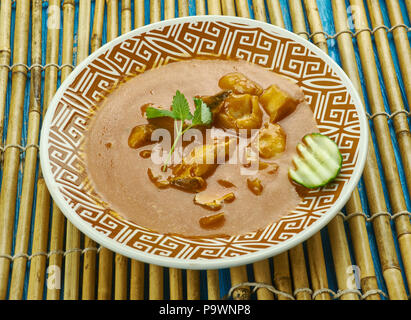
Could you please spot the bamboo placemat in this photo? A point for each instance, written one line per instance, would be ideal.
(364, 253)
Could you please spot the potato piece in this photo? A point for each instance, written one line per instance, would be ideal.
(255, 186)
(212, 221)
(240, 112)
(140, 136)
(277, 103)
(213, 204)
(271, 140)
(206, 156)
(239, 84)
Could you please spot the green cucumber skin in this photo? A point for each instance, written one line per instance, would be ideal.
(331, 178)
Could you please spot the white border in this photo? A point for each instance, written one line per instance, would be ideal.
(212, 263)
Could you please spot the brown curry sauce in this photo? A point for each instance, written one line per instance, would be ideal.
(238, 94)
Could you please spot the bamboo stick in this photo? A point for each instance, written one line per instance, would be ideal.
(299, 273)
(362, 250)
(105, 274)
(239, 275)
(72, 263)
(408, 5)
(228, 7)
(38, 262)
(200, 7)
(24, 220)
(371, 176)
(395, 191)
(262, 274)
(58, 220)
(90, 254)
(313, 18)
(56, 253)
(68, 39)
(112, 19)
(42, 213)
(401, 44)
(169, 9)
(155, 10)
(43, 199)
(136, 280)
(125, 16)
(12, 155)
(156, 277)
(137, 267)
(282, 277)
(138, 13)
(214, 7)
(98, 21)
(242, 8)
(318, 271)
(402, 129)
(175, 283)
(73, 236)
(297, 17)
(193, 284)
(83, 30)
(259, 10)
(276, 14)
(213, 286)
(341, 257)
(121, 262)
(105, 262)
(156, 282)
(182, 8)
(5, 52)
(120, 276)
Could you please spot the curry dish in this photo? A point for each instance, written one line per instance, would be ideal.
(186, 193)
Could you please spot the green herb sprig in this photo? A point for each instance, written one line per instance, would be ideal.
(180, 112)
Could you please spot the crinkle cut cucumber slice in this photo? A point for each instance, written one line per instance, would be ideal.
(318, 161)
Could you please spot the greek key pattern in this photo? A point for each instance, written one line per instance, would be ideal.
(326, 93)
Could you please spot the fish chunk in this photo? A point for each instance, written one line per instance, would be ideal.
(213, 203)
(271, 140)
(240, 111)
(198, 165)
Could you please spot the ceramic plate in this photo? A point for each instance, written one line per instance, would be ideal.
(336, 105)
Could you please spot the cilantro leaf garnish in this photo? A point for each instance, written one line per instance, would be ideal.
(156, 113)
(180, 107)
(202, 113)
(180, 112)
